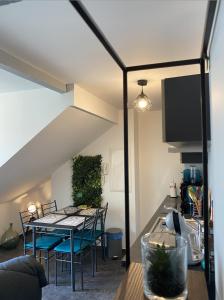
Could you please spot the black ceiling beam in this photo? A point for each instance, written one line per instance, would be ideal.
(208, 27)
(79, 7)
(168, 64)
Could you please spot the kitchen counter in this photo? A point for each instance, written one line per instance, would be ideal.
(161, 212)
(131, 287)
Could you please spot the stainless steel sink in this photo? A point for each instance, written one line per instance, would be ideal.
(160, 225)
(196, 245)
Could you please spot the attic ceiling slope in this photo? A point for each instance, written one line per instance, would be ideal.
(50, 34)
(146, 32)
(67, 135)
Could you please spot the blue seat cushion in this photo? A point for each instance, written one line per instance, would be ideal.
(45, 242)
(88, 235)
(64, 247)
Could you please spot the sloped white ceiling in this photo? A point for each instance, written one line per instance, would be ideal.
(52, 36)
(68, 134)
(146, 31)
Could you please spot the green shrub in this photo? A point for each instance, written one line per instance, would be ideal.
(86, 180)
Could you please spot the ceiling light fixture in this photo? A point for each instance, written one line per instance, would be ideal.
(142, 102)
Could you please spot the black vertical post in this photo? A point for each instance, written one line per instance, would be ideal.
(205, 167)
(126, 169)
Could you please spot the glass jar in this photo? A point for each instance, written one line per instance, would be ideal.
(164, 258)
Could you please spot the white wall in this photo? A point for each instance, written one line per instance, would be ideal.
(23, 114)
(104, 145)
(151, 170)
(9, 211)
(61, 184)
(32, 110)
(216, 161)
(157, 167)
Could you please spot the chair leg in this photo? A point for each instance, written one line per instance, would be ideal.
(62, 263)
(93, 254)
(56, 269)
(66, 264)
(95, 250)
(40, 256)
(72, 272)
(48, 266)
(81, 268)
(103, 247)
(46, 256)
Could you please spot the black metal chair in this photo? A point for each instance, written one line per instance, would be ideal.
(44, 243)
(99, 233)
(49, 207)
(100, 230)
(81, 247)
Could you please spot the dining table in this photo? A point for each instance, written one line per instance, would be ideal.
(62, 219)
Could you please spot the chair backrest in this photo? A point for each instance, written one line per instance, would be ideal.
(49, 207)
(105, 209)
(102, 216)
(26, 217)
(89, 225)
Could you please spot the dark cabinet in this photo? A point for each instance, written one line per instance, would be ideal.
(191, 157)
(182, 109)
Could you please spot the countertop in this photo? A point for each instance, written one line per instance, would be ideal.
(131, 287)
(161, 212)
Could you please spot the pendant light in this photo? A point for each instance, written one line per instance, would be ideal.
(142, 102)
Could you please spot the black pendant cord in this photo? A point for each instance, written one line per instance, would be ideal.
(126, 168)
(205, 168)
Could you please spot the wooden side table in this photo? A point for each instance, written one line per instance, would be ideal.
(131, 287)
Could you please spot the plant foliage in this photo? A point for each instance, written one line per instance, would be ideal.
(162, 278)
(86, 180)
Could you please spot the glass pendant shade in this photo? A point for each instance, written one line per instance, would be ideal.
(142, 102)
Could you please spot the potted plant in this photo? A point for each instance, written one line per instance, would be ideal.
(165, 267)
